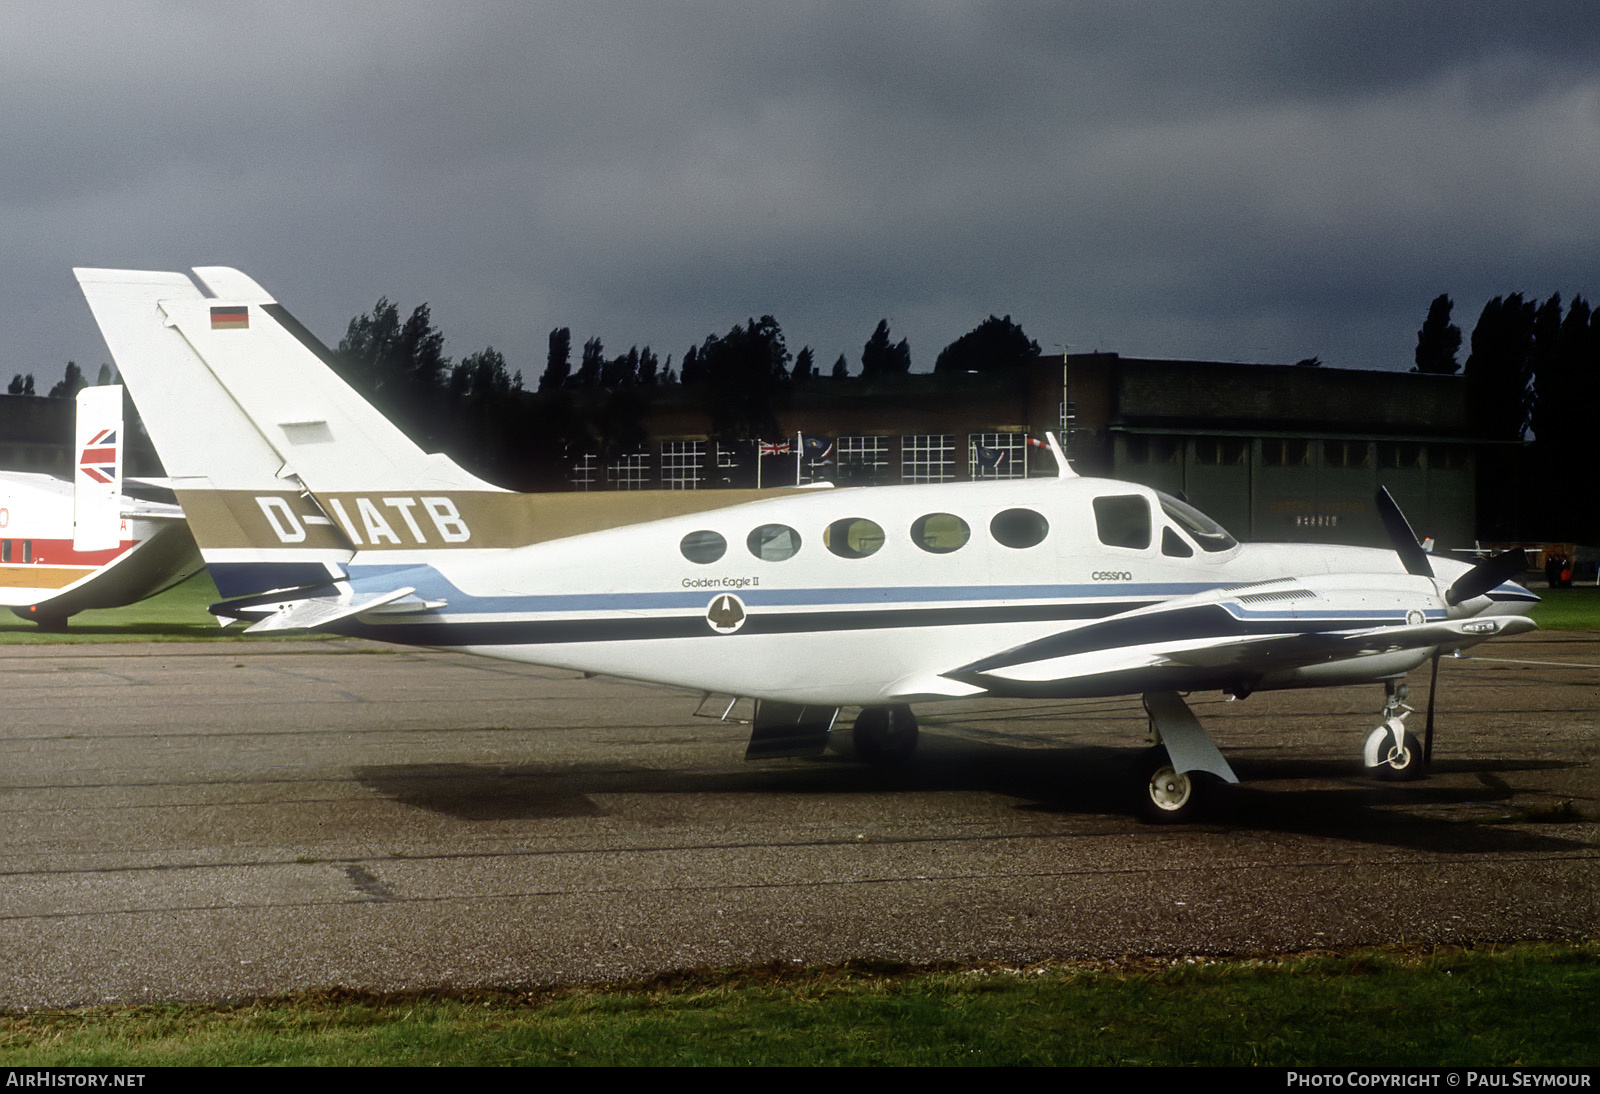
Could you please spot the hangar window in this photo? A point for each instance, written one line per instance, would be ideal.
(1350, 454)
(1277, 452)
(853, 537)
(1400, 457)
(1018, 528)
(703, 547)
(773, 542)
(940, 533)
(1123, 520)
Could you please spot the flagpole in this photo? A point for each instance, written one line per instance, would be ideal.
(799, 455)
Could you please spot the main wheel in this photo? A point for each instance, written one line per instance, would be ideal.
(1169, 797)
(885, 736)
(1385, 761)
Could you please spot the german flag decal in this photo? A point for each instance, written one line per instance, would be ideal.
(230, 317)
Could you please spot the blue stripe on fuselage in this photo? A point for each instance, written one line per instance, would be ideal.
(430, 584)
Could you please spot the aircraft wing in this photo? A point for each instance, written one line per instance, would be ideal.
(1198, 646)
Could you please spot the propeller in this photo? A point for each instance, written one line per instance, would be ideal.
(1486, 575)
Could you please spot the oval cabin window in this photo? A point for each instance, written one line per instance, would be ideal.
(773, 542)
(703, 547)
(940, 533)
(1019, 528)
(853, 537)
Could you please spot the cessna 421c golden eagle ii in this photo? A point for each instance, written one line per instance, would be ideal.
(314, 512)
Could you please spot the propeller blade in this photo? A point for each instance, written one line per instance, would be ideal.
(1404, 540)
(1485, 576)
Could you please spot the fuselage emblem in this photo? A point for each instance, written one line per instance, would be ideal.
(725, 613)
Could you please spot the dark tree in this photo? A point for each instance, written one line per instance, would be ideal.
(744, 378)
(1439, 340)
(805, 368)
(1500, 366)
(992, 345)
(71, 383)
(649, 368)
(879, 358)
(16, 385)
(590, 365)
(620, 372)
(692, 374)
(841, 369)
(108, 375)
(558, 365)
(401, 368)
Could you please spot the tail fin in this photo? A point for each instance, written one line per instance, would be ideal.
(97, 476)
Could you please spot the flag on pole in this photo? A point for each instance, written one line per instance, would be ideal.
(817, 449)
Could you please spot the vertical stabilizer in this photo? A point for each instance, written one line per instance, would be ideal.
(97, 473)
(257, 527)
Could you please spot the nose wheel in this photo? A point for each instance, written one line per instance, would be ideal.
(1393, 752)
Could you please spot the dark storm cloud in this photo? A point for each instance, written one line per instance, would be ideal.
(1254, 180)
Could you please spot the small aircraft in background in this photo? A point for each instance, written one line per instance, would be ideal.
(314, 512)
(69, 546)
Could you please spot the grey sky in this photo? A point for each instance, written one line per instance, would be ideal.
(1250, 181)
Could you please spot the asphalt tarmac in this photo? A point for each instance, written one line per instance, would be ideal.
(217, 821)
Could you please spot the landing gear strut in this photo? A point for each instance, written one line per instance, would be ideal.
(1392, 751)
(885, 736)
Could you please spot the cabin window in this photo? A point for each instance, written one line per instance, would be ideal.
(1211, 536)
(1123, 521)
(5, 550)
(940, 533)
(703, 547)
(853, 537)
(773, 542)
(1018, 528)
(1172, 544)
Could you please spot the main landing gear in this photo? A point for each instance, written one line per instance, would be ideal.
(1392, 751)
(1169, 797)
(885, 736)
(1184, 769)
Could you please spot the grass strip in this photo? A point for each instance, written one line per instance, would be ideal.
(1524, 1004)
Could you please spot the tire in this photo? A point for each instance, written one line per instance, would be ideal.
(885, 736)
(1384, 761)
(1166, 797)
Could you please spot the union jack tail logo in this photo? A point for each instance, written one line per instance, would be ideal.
(99, 457)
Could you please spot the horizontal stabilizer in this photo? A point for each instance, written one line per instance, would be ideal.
(309, 615)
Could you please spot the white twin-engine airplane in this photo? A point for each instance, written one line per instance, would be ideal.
(317, 513)
(66, 547)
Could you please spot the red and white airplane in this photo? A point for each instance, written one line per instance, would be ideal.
(69, 546)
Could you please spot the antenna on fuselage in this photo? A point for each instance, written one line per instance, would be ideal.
(1063, 468)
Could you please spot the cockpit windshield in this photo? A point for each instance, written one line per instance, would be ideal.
(1206, 532)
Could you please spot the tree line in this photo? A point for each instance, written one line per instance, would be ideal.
(490, 420)
(1532, 369)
